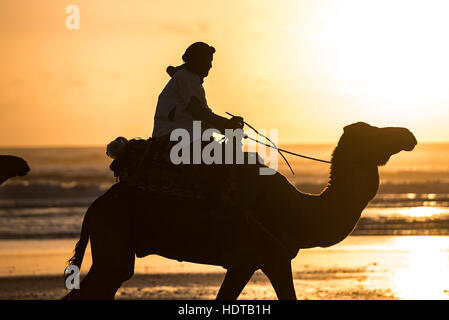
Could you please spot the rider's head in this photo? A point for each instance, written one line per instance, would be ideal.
(198, 58)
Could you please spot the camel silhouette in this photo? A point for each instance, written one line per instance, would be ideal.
(266, 235)
(12, 166)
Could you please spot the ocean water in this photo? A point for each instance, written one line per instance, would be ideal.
(51, 200)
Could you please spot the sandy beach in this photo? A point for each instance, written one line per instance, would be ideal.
(360, 267)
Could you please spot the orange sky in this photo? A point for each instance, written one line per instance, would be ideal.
(306, 68)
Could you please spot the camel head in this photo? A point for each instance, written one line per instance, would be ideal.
(11, 166)
(366, 144)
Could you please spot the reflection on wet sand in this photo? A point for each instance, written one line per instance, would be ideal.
(424, 274)
(360, 267)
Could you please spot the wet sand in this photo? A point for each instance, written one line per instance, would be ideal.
(360, 267)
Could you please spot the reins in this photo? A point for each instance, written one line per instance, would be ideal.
(273, 145)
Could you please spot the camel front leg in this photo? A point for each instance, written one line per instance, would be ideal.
(233, 283)
(280, 275)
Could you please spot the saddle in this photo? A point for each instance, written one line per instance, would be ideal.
(145, 165)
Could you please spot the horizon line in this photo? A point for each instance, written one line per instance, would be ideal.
(38, 146)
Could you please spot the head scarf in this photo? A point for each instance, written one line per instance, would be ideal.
(193, 56)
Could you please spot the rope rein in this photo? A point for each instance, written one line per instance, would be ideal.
(273, 145)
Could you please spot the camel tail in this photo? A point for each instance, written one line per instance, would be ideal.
(81, 245)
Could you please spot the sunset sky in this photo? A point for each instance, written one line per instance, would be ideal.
(306, 68)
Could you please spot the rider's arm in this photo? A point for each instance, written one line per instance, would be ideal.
(206, 115)
(194, 98)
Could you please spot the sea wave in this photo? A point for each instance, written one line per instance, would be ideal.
(404, 226)
(28, 223)
(56, 189)
(52, 190)
(404, 187)
(65, 222)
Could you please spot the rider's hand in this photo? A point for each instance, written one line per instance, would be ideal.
(235, 123)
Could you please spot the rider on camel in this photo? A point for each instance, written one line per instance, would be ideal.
(183, 99)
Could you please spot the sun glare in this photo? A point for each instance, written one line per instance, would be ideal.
(424, 275)
(390, 52)
(421, 212)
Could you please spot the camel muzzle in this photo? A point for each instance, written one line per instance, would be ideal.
(410, 142)
(399, 138)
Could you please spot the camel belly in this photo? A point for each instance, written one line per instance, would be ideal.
(201, 233)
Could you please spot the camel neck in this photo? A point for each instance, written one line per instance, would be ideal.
(328, 218)
(351, 186)
(354, 184)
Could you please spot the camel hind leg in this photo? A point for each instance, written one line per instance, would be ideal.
(233, 283)
(101, 283)
(112, 248)
(107, 273)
